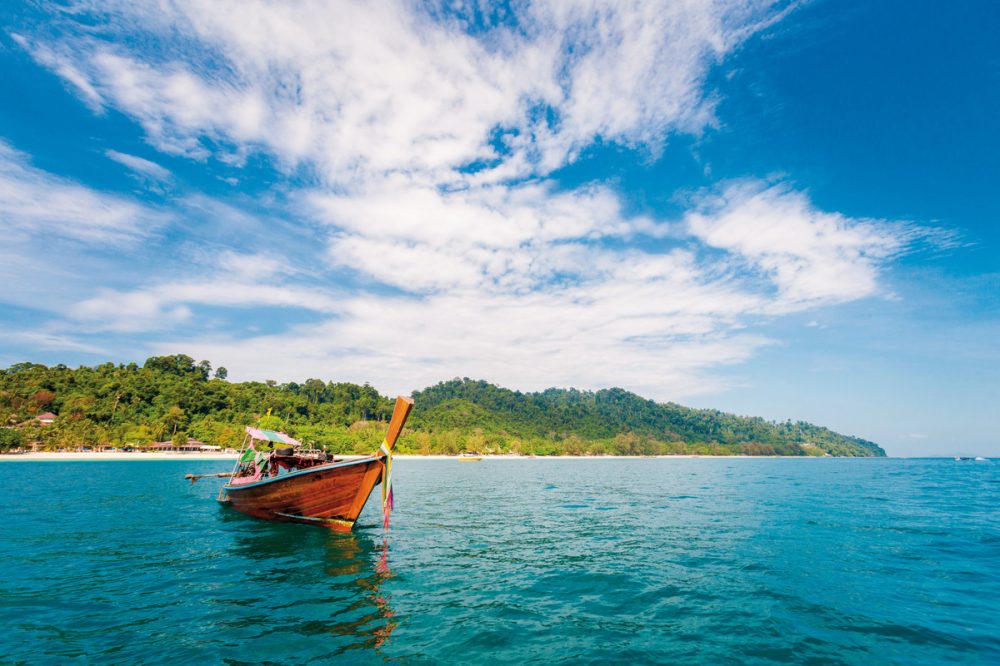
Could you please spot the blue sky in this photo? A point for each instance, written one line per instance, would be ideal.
(779, 209)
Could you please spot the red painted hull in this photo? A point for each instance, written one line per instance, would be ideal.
(328, 495)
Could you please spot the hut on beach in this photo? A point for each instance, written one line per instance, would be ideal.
(192, 446)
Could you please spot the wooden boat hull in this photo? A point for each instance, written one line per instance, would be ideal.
(330, 495)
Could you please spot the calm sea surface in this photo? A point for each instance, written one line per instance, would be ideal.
(534, 561)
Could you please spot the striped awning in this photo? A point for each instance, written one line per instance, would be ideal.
(272, 436)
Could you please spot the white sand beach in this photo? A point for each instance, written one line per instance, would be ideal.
(136, 455)
(112, 455)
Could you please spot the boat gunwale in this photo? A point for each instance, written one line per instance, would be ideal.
(319, 468)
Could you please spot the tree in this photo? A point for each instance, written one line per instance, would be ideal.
(42, 398)
(10, 439)
(173, 419)
(314, 389)
(221, 372)
(270, 422)
(178, 364)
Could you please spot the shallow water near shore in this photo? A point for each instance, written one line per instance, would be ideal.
(695, 561)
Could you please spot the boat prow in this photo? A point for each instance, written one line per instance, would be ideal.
(330, 494)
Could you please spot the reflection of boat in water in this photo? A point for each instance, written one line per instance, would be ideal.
(343, 604)
(468, 456)
(281, 485)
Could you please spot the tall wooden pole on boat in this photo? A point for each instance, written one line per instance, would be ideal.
(399, 414)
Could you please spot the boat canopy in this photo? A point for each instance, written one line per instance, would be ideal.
(272, 436)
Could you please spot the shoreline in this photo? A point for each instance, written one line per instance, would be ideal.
(123, 456)
(111, 455)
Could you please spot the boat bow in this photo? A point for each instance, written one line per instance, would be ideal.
(324, 493)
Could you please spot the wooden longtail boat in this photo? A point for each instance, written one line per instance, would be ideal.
(280, 485)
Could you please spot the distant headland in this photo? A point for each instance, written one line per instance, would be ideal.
(174, 400)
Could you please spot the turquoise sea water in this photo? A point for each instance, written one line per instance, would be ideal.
(694, 561)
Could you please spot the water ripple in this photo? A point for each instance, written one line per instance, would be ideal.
(673, 561)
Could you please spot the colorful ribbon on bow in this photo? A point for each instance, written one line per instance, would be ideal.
(386, 483)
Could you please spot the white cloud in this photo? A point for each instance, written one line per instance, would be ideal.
(55, 342)
(496, 271)
(62, 64)
(371, 88)
(495, 238)
(811, 256)
(35, 204)
(238, 280)
(139, 165)
(529, 343)
(529, 301)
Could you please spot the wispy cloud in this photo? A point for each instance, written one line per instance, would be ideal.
(55, 342)
(61, 63)
(34, 203)
(427, 140)
(812, 257)
(139, 165)
(531, 308)
(375, 88)
(497, 238)
(236, 281)
(529, 342)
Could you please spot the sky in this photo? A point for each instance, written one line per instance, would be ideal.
(781, 209)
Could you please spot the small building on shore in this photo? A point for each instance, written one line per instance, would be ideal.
(192, 446)
(46, 418)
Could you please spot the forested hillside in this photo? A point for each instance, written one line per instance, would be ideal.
(633, 424)
(173, 397)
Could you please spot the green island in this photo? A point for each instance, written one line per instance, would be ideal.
(173, 398)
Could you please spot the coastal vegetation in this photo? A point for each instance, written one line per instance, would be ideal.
(174, 398)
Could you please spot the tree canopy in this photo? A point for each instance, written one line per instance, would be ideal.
(174, 397)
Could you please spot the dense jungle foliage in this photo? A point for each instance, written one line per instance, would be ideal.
(173, 398)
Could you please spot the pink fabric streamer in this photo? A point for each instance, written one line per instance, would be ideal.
(386, 510)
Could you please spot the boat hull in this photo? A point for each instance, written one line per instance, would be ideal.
(328, 495)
